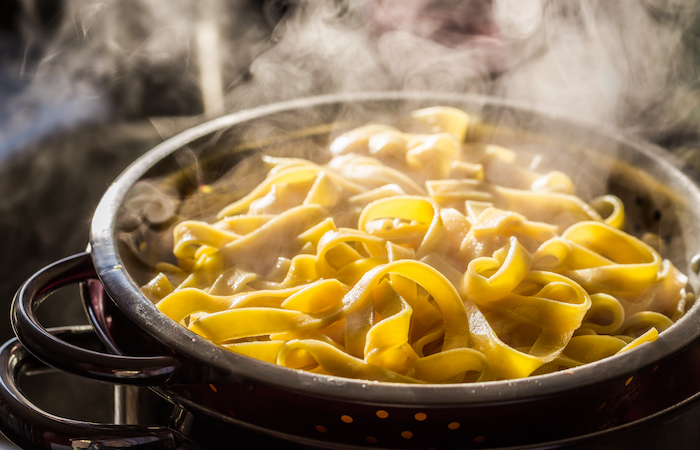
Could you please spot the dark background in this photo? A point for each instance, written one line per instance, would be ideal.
(71, 119)
(61, 145)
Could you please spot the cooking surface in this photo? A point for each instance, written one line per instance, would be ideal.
(68, 129)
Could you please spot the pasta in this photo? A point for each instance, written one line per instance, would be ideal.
(400, 260)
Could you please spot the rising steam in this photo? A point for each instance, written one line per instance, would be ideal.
(630, 62)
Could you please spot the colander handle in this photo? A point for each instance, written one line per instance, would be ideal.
(53, 351)
(29, 427)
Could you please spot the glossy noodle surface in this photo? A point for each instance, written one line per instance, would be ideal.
(400, 260)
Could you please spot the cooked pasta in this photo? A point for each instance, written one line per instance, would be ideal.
(400, 260)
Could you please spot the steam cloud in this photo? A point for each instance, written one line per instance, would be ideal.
(629, 63)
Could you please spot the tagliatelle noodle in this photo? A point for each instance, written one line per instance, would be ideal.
(505, 360)
(606, 309)
(436, 273)
(615, 216)
(373, 173)
(335, 361)
(407, 208)
(626, 263)
(283, 229)
(493, 228)
(548, 207)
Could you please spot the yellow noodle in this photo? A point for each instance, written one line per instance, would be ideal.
(412, 256)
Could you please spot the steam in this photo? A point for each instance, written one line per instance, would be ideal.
(319, 47)
(615, 62)
(518, 19)
(627, 63)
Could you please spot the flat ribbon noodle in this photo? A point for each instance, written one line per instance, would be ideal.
(624, 263)
(336, 362)
(373, 174)
(505, 361)
(612, 209)
(557, 316)
(559, 303)
(302, 270)
(550, 207)
(586, 349)
(494, 227)
(232, 281)
(505, 275)
(607, 308)
(433, 154)
(446, 296)
(386, 342)
(279, 231)
(190, 234)
(184, 302)
(244, 223)
(333, 253)
(291, 175)
(259, 321)
(409, 208)
(263, 350)
(180, 304)
(451, 365)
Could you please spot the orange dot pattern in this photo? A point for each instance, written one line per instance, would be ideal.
(419, 416)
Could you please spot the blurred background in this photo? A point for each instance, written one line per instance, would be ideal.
(88, 86)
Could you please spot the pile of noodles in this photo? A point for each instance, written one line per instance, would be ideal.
(400, 261)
